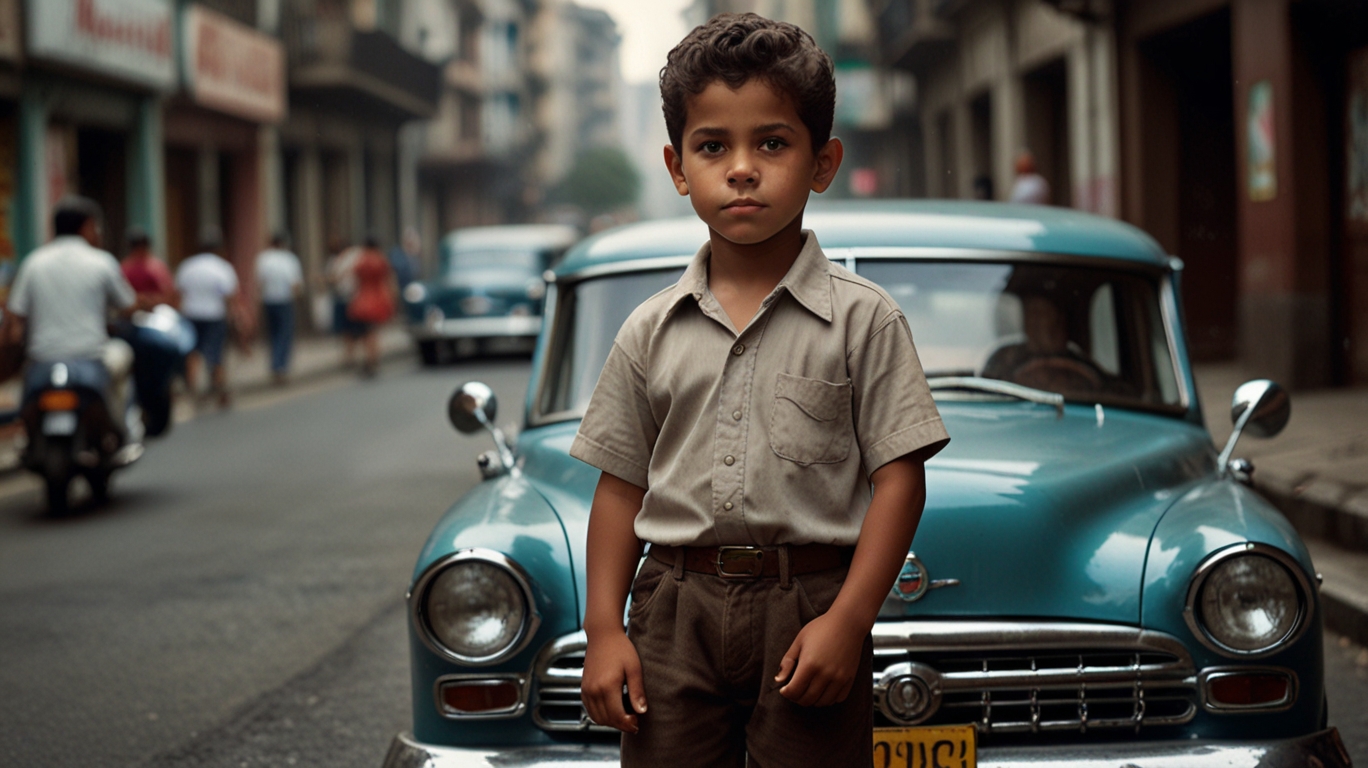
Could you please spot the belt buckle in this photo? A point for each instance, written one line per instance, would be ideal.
(752, 560)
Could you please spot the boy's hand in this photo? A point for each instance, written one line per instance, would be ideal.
(610, 660)
(822, 660)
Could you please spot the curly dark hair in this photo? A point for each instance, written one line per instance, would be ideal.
(736, 47)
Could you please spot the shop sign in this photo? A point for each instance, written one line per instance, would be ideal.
(9, 30)
(128, 39)
(1263, 174)
(233, 68)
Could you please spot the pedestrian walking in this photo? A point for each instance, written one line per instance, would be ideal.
(342, 287)
(373, 304)
(208, 285)
(149, 275)
(279, 281)
(1029, 186)
(406, 258)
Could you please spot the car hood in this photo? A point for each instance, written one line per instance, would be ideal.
(1034, 514)
(482, 280)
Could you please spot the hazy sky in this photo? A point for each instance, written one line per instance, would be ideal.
(650, 28)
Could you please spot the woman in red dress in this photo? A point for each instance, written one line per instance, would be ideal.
(373, 303)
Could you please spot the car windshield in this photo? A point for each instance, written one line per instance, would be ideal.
(1092, 335)
(524, 261)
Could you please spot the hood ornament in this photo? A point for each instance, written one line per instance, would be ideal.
(914, 581)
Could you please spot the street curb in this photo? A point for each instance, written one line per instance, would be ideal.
(1321, 508)
(265, 384)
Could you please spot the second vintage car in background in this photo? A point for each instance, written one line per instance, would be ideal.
(487, 292)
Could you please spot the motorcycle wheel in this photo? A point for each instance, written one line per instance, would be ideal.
(57, 494)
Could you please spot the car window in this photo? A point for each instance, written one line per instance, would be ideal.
(588, 315)
(1092, 335)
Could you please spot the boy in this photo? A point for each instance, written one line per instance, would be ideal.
(739, 421)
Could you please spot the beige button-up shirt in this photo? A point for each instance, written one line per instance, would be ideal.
(767, 435)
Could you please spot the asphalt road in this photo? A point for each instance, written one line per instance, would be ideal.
(241, 601)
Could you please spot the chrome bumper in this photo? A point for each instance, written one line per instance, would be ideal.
(1320, 749)
(477, 327)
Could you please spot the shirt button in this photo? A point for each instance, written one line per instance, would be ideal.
(736, 415)
(730, 460)
(727, 506)
(738, 349)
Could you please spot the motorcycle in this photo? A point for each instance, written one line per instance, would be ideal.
(71, 431)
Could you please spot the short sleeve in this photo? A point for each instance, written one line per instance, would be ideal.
(894, 412)
(120, 293)
(618, 432)
(230, 279)
(18, 302)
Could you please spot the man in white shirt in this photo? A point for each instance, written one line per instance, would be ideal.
(63, 294)
(207, 284)
(1029, 186)
(279, 278)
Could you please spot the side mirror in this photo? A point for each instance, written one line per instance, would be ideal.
(1261, 407)
(472, 407)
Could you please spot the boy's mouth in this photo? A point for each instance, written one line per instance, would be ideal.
(744, 205)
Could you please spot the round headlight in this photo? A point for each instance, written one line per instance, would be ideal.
(476, 610)
(1248, 603)
(415, 293)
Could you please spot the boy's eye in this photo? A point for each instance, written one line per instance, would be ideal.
(773, 144)
(711, 147)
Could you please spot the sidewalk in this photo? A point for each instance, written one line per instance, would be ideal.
(1316, 472)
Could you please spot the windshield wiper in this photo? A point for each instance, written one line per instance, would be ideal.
(999, 387)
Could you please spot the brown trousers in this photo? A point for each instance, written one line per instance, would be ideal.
(710, 648)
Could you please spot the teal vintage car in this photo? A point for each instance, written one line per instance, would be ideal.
(488, 290)
(1093, 582)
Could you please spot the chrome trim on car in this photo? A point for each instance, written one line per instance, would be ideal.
(1216, 673)
(477, 327)
(531, 619)
(1306, 608)
(515, 711)
(1324, 748)
(557, 673)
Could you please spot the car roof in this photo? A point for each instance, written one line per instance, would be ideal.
(951, 224)
(511, 236)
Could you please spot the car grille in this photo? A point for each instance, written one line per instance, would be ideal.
(1003, 677)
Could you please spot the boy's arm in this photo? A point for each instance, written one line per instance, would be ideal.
(611, 558)
(825, 656)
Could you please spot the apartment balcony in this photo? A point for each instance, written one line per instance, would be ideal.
(913, 34)
(334, 65)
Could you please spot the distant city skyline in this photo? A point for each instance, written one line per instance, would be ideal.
(649, 30)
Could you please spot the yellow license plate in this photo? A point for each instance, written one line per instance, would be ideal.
(948, 746)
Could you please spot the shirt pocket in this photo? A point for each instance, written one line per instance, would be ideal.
(811, 420)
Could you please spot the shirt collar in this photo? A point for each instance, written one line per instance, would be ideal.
(808, 280)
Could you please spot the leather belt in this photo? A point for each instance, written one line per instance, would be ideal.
(756, 562)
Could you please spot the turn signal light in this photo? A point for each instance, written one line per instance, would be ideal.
(471, 697)
(1249, 690)
(58, 400)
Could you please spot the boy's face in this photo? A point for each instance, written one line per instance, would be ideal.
(746, 161)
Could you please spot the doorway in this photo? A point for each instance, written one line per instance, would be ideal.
(1188, 119)
(102, 175)
(1047, 127)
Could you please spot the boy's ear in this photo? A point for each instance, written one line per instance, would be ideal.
(676, 165)
(828, 162)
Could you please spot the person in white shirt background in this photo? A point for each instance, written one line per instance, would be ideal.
(62, 298)
(1029, 186)
(208, 285)
(279, 279)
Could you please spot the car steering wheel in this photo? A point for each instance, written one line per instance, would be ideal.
(1057, 373)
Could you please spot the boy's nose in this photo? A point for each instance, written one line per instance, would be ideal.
(742, 172)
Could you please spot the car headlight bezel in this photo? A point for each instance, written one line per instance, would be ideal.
(418, 606)
(1192, 610)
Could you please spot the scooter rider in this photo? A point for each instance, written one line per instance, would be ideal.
(63, 294)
